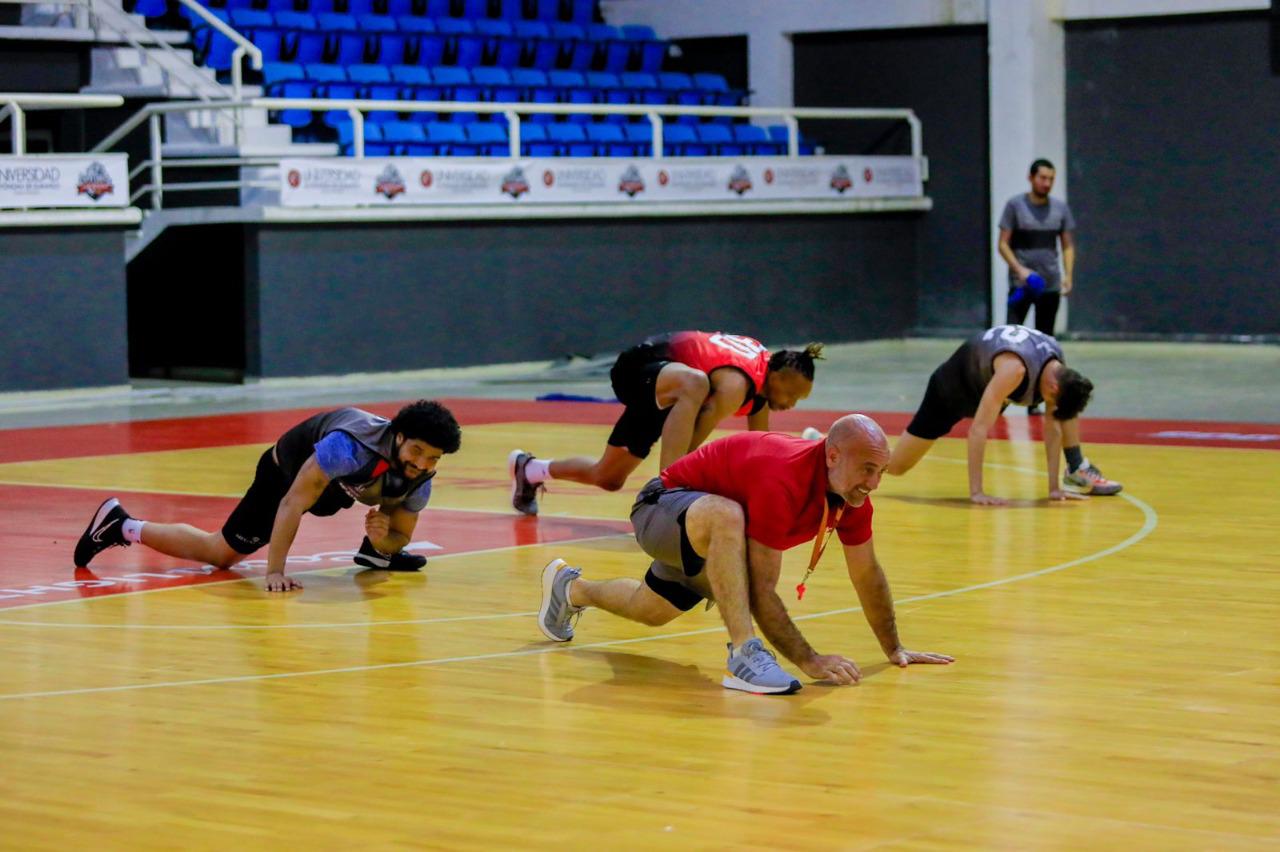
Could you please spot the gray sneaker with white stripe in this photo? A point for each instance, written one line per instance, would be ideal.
(753, 668)
(555, 616)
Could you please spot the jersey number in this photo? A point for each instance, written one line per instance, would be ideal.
(1019, 333)
(744, 346)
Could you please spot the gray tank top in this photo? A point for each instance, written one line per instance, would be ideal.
(1035, 348)
(379, 483)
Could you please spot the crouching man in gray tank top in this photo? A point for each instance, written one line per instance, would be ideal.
(324, 464)
(1015, 365)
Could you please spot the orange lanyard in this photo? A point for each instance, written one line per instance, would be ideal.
(820, 542)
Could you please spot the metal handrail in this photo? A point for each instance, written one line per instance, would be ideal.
(14, 106)
(243, 46)
(356, 108)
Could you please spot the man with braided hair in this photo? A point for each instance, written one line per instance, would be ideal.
(677, 387)
(324, 464)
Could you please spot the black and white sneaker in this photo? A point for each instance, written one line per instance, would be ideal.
(370, 557)
(105, 530)
(524, 494)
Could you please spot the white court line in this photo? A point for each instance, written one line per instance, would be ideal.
(251, 578)
(1150, 521)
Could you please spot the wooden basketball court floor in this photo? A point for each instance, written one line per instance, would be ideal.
(1117, 682)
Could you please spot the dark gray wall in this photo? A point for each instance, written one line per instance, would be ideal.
(941, 74)
(63, 293)
(348, 298)
(1173, 129)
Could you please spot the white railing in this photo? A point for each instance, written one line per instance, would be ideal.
(356, 108)
(14, 106)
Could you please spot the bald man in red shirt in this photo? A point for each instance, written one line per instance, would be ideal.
(716, 524)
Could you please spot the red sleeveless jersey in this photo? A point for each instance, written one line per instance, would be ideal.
(707, 351)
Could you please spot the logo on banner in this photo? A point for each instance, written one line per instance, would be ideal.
(631, 182)
(663, 177)
(868, 175)
(548, 178)
(426, 178)
(294, 178)
(840, 179)
(514, 183)
(768, 176)
(94, 181)
(389, 184)
(740, 181)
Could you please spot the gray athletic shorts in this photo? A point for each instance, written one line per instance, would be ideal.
(658, 517)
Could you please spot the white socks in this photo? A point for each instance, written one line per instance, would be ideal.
(537, 470)
(132, 529)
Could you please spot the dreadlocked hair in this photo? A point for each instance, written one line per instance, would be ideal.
(801, 361)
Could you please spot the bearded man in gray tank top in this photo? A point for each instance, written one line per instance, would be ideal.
(324, 464)
(1008, 364)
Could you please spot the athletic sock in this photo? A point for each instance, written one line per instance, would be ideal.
(537, 470)
(1075, 458)
(132, 529)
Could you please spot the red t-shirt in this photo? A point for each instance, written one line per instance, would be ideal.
(780, 482)
(710, 351)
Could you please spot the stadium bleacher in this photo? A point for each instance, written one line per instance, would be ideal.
(481, 51)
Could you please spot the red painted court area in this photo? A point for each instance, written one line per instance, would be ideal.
(33, 444)
(39, 525)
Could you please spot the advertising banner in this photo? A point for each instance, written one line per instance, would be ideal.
(57, 180)
(440, 181)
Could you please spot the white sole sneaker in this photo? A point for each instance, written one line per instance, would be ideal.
(732, 682)
(548, 580)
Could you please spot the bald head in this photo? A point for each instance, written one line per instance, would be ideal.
(857, 453)
(857, 431)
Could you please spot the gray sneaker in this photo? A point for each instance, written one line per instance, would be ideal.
(524, 494)
(753, 668)
(556, 615)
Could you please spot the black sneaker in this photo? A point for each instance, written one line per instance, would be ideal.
(524, 494)
(371, 557)
(105, 530)
(1035, 410)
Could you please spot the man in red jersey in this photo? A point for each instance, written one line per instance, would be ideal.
(716, 523)
(676, 387)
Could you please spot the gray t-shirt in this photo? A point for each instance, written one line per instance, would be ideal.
(1036, 228)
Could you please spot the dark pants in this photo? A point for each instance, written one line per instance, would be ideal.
(1046, 311)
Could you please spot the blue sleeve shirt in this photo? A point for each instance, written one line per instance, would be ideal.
(338, 454)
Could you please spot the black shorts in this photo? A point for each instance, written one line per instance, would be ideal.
(945, 402)
(248, 527)
(635, 378)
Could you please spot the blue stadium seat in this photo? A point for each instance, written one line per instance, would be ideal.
(572, 139)
(319, 7)
(287, 19)
(401, 136)
(512, 10)
(359, 8)
(310, 47)
(495, 84)
(410, 24)
(582, 12)
(606, 88)
(501, 47)
(431, 48)
(397, 48)
(534, 142)
(640, 135)
(355, 48)
(648, 52)
(489, 138)
(610, 140)
(755, 140)
(376, 23)
(719, 139)
(778, 133)
(680, 140)
(372, 139)
(480, 9)
(335, 21)
(644, 88)
(547, 10)
(448, 138)
(439, 8)
(404, 8)
(249, 19)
